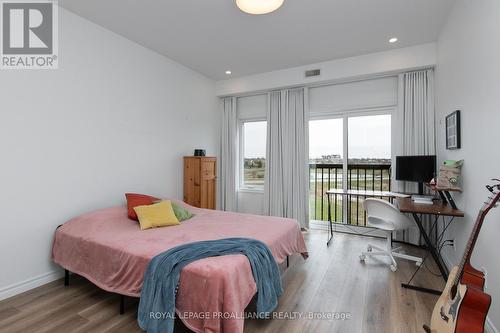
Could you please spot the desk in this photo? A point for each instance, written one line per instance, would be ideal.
(361, 193)
(406, 205)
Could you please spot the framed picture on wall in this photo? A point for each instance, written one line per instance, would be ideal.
(453, 130)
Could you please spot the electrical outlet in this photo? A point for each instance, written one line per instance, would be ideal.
(485, 272)
(452, 244)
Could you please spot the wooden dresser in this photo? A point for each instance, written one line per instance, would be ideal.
(200, 181)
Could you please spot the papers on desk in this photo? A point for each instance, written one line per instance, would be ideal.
(422, 199)
(400, 195)
(423, 202)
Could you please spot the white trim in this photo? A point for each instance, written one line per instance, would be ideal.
(252, 119)
(345, 165)
(20, 287)
(354, 112)
(489, 327)
(447, 261)
(251, 190)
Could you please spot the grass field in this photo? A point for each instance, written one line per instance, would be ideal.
(254, 176)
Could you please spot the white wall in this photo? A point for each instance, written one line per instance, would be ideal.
(251, 202)
(468, 79)
(115, 117)
(340, 70)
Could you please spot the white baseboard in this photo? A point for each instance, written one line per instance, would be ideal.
(489, 327)
(20, 287)
(449, 264)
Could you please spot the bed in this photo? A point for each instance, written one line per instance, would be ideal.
(111, 251)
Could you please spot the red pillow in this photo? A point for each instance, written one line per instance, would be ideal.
(134, 200)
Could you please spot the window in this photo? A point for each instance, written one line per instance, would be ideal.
(370, 139)
(253, 154)
(326, 158)
(348, 152)
(325, 141)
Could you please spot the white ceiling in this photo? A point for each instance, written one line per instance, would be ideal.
(212, 36)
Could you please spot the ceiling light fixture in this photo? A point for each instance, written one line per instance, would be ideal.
(228, 72)
(393, 40)
(258, 7)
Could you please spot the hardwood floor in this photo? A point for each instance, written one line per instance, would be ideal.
(331, 280)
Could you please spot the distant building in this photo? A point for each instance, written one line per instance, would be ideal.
(337, 159)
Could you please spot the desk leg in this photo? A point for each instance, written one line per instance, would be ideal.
(122, 304)
(422, 289)
(434, 254)
(431, 247)
(330, 226)
(450, 200)
(66, 277)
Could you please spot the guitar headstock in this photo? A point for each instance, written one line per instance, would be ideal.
(495, 189)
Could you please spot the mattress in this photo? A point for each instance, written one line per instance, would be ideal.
(111, 251)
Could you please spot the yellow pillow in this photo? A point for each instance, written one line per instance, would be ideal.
(156, 215)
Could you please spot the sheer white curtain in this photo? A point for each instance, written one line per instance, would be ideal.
(418, 127)
(286, 180)
(228, 156)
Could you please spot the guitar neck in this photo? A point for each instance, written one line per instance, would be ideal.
(470, 246)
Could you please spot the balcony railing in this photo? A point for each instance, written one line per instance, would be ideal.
(375, 177)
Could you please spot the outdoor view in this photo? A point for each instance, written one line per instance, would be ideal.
(254, 154)
(369, 161)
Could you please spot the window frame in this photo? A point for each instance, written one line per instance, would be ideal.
(345, 115)
(242, 187)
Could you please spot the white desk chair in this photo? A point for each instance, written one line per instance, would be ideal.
(385, 216)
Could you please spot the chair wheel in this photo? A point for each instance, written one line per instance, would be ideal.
(369, 249)
(362, 257)
(394, 268)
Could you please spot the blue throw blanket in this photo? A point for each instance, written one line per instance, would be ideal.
(157, 304)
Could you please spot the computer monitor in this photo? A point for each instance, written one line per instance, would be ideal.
(418, 169)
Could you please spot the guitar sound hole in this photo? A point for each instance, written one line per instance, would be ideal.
(453, 292)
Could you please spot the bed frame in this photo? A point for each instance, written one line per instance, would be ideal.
(122, 297)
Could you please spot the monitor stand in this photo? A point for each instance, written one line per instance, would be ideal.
(421, 198)
(420, 188)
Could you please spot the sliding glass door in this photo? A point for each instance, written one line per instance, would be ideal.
(348, 152)
(326, 158)
(368, 160)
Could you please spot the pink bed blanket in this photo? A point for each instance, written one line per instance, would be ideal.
(112, 252)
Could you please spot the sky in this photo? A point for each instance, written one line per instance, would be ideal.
(369, 137)
(254, 141)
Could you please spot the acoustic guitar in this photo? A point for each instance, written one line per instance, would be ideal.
(463, 305)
